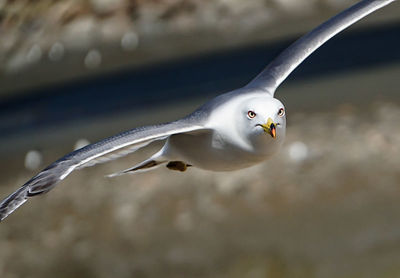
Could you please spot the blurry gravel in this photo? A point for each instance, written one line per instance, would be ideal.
(50, 41)
(327, 205)
(54, 37)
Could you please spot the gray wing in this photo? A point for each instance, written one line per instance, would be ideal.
(279, 69)
(105, 150)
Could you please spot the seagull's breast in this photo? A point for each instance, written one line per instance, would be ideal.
(211, 150)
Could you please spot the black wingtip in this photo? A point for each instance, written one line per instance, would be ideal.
(13, 202)
(39, 184)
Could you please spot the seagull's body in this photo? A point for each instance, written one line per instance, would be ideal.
(222, 144)
(232, 131)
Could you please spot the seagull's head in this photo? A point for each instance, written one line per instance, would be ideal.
(263, 123)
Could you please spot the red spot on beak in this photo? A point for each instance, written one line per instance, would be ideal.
(272, 131)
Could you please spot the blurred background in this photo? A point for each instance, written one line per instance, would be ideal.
(76, 71)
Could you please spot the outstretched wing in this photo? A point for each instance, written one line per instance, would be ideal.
(105, 150)
(279, 69)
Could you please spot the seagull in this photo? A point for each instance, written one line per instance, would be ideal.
(235, 130)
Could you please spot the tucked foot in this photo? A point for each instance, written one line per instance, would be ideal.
(178, 166)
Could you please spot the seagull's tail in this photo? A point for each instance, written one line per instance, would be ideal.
(155, 161)
(147, 165)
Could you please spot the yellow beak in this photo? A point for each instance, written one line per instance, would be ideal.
(270, 127)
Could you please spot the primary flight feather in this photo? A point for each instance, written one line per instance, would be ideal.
(232, 131)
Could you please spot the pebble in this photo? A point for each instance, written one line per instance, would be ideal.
(34, 54)
(33, 160)
(81, 143)
(298, 6)
(93, 59)
(106, 6)
(56, 52)
(298, 151)
(80, 33)
(129, 41)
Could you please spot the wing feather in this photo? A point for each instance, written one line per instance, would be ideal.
(100, 152)
(279, 69)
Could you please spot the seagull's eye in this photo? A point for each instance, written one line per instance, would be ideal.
(281, 112)
(251, 114)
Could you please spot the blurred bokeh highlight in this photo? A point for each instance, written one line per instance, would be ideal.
(75, 71)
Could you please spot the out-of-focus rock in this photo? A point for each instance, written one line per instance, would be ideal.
(298, 6)
(92, 59)
(298, 151)
(33, 160)
(129, 41)
(339, 4)
(81, 143)
(34, 54)
(7, 42)
(56, 51)
(80, 33)
(15, 63)
(107, 6)
(113, 28)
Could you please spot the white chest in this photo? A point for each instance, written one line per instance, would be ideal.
(212, 151)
